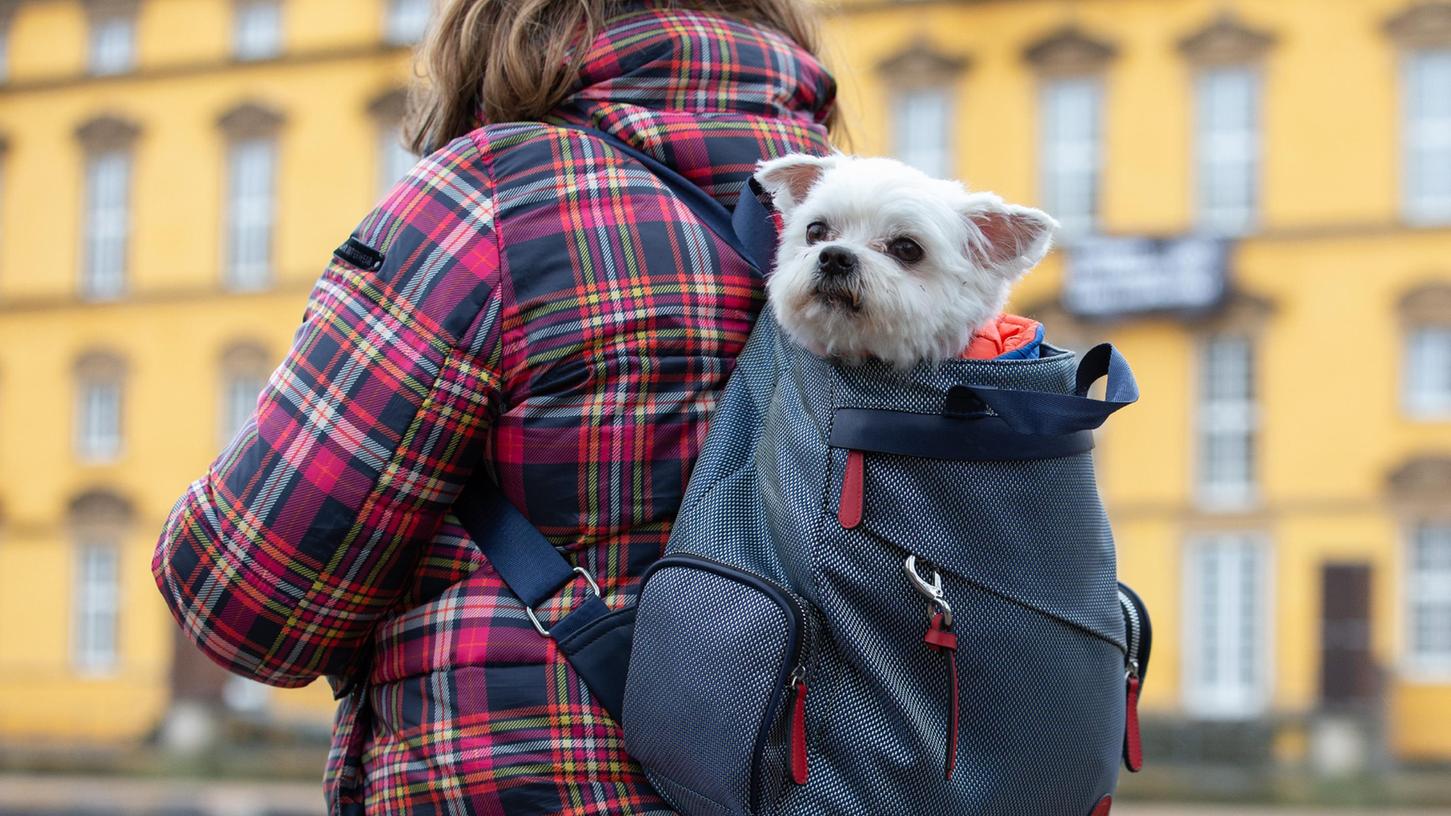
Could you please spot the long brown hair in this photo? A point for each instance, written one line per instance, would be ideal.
(511, 60)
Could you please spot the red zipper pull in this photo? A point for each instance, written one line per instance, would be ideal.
(798, 727)
(1133, 744)
(940, 638)
(853, 484)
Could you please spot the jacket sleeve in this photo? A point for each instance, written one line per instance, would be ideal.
(303, 532)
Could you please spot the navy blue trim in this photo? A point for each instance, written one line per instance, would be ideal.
(595, 640)
(966, 438)
(522, 556)
(795, 615)
(599, 651)
(1042, 412)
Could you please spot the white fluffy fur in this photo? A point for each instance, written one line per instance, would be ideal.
(975, 248)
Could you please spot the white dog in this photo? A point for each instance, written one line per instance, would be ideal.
(877, 259)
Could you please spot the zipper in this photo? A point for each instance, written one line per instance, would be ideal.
(792, 678)
(1133, 749)
(796, 744)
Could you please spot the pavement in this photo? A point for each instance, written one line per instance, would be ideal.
(47, 795)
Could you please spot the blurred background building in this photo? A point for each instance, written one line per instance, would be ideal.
(1256, 196)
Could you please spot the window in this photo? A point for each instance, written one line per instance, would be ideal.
(921, 128)
(108, 223)
(1228, 622)
(100, 420)
(113, 41)
(1428, 595)
(4, 44)
(1227, 422)
(244, 374)
(1428, 136)
(394, 160)
(406, 21)
(1071, 152)
(99, 383)
(1428, 372)
(1227, 149)
(251, 170)
(239, 401)
(257, 33)
(96, 606)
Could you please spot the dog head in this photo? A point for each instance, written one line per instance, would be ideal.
(877, 259)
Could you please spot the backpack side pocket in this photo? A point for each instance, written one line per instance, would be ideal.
(716, 667)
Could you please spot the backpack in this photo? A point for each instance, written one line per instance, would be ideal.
(883, 592)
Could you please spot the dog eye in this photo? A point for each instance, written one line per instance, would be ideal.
(905, 250)
(816, 231)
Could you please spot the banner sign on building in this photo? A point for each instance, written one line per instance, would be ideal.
(1110, 277)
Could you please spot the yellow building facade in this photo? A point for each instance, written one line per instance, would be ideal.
(166, 316)
(1294, 434)
(1280, 495)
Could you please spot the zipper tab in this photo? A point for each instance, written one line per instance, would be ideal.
(853, 485)
(1133, 743)
(799, 768)
(940, 638)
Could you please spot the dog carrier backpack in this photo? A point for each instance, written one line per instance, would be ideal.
(885, 592)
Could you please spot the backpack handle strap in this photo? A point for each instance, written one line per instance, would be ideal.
(1048, 414)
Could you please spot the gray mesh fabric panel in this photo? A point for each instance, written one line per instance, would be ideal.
(719, 647)
(1028, 562)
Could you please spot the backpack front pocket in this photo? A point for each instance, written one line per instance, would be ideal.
(714, 703)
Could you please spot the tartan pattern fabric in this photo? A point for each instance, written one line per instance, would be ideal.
(547, 317)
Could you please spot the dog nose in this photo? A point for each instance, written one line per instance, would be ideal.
(836, 261)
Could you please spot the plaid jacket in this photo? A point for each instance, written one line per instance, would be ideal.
(545, 315)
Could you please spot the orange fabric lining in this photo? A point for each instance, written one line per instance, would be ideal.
(1005, 334)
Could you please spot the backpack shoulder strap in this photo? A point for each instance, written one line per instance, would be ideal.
(595, 640)
(749, 230)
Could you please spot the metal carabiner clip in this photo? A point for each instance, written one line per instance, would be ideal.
(937, 599)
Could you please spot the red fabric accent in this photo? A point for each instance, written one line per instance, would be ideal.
(1005, 333)
(798, 735)
(853, 484)
(1102, 808)
(939, 638)
(1133, 744)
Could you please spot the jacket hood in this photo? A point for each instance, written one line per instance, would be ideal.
(706, 94)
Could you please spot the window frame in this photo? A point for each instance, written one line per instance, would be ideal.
(1224, 416)
(250, 215)
(1436, 209)
(1088, 163)
(399, 14)
(941, 93)
(1418, 404)
(395, 161)
(254, 47)
(1418, 667)
(111, 28)
(1220, 219)
(114, 247)
(89, 592)
(93, 445)
(1228, 704)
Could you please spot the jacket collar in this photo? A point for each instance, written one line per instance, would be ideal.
(668, 81)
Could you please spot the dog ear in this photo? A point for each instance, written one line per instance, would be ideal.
(1008, 239)
(789, 178)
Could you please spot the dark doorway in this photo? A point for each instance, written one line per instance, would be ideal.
(1348, 677)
